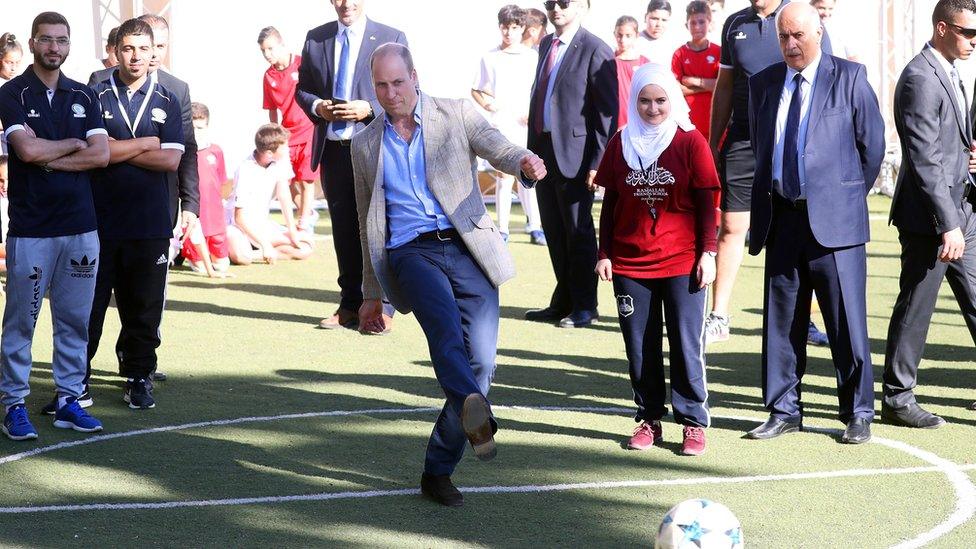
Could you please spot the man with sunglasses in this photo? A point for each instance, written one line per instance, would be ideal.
(933, 204)
(571, 117)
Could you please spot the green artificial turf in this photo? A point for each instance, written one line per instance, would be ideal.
(247, 347)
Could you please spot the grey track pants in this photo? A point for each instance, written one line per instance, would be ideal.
(66, 266)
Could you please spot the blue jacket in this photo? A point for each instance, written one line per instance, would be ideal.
(845, 145)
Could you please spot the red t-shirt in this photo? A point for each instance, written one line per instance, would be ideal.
(210, 166)
(625, 75)
(653, 224)
(700, 64)
(279, 93)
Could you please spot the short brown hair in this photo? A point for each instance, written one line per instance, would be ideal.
(511, 15)
(8, 42)
(199, 111)
(698, 7)
(49, 18)
(392, 48)
(133, 27)
(268, 32)
(626, 20)
(535, 17)
(3, 160)
(270, 137)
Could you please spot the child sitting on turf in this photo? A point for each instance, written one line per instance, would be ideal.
(206, 249)
(265, 173)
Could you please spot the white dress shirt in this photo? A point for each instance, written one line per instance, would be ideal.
(564, 42)
(953, 79)
(809, 77)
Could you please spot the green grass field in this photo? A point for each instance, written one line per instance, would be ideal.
(247, 347)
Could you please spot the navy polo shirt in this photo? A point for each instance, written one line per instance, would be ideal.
(44, 203)
(750, 43)
(131, 202)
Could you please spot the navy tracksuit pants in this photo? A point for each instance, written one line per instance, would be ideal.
(643, 307)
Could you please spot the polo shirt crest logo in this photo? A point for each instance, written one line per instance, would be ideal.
(710, 58)
(158, 115)
(33, 114)
(77, 110)
(740, 36)
(274, 84)
(107, 115)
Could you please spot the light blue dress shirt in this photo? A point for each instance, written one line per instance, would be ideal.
(809, 75)
(564, 42)
(411, 208)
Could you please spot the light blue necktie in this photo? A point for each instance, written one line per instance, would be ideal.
(341, 83)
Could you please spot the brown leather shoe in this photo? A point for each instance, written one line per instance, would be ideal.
(342, 318)
(387, 327)
(476, 422)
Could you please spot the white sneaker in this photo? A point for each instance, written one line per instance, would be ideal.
(716, 328)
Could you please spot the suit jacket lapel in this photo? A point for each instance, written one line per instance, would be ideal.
(328, 49)
(568, 56)
(826, 74)
(365, 51)
(770, 104)
(431, 122)
(377, 203)
(949, 88)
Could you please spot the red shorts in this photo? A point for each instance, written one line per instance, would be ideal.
(217, 244)
(301, 162)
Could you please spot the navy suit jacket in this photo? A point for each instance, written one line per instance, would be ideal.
(184, 184)
(316, 74)
(845, 145)
(584, 104)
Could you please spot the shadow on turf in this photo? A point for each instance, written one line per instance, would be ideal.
(293, 292)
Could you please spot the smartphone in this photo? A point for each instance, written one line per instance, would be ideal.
(337, 101)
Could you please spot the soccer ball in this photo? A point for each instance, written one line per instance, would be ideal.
(699, 524)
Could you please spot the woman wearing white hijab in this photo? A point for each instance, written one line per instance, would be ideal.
(657, 245)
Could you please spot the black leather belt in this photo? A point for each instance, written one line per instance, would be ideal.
(340, 142)
(445, 235)
(799, 205)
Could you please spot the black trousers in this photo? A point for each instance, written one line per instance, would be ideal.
(919, 284)
(796, 266)
(135, 270)
(565, 206)
(340, 194)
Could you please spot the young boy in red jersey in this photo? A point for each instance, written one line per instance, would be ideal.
(279, 96)
(627, 58)
(206, 249)
(695, 65)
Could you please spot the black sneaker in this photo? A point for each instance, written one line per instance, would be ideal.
(138, 394)
(159, 376)
(85, 401)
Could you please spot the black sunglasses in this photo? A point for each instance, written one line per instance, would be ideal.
(551, 4)
(966, 33)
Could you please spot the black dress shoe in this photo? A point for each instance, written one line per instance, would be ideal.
(858, 431)
(440, 489)
(549, 314)
(773, 428)
(911, 416)
(579, 319)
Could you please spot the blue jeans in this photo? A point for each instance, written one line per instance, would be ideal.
(457, 308)
(66, 266)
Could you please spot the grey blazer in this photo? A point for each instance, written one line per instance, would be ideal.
(935, 149)
(454, 133)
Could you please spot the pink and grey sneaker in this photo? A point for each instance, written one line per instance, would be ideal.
(647, 434)
(694, 441)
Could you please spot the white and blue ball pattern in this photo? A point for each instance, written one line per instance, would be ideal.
(699, 524)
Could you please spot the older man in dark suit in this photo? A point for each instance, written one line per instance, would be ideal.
(818, 138)
(933, 204)
(336, 92)
(431, 247)
(571, 118)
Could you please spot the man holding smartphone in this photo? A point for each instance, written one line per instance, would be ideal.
(337, 94)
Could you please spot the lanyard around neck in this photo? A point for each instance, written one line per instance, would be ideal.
(142, 108)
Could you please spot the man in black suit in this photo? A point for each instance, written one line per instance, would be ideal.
(336, 92)
(571, 117)
(818, 140)
(933, 204)
(184, 184)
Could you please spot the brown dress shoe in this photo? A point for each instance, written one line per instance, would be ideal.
(387, 327)
(340, 319)
(476, 422)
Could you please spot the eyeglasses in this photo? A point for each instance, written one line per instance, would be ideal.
(551, 4)
(966, 33)
(48, 41)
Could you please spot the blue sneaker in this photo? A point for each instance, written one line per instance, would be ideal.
(16, 425)
(816, 337)
(538, 238)
(73, 416)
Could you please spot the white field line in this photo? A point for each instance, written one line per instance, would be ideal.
(965, 491)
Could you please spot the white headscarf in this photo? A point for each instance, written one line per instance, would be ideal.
(643, 143)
